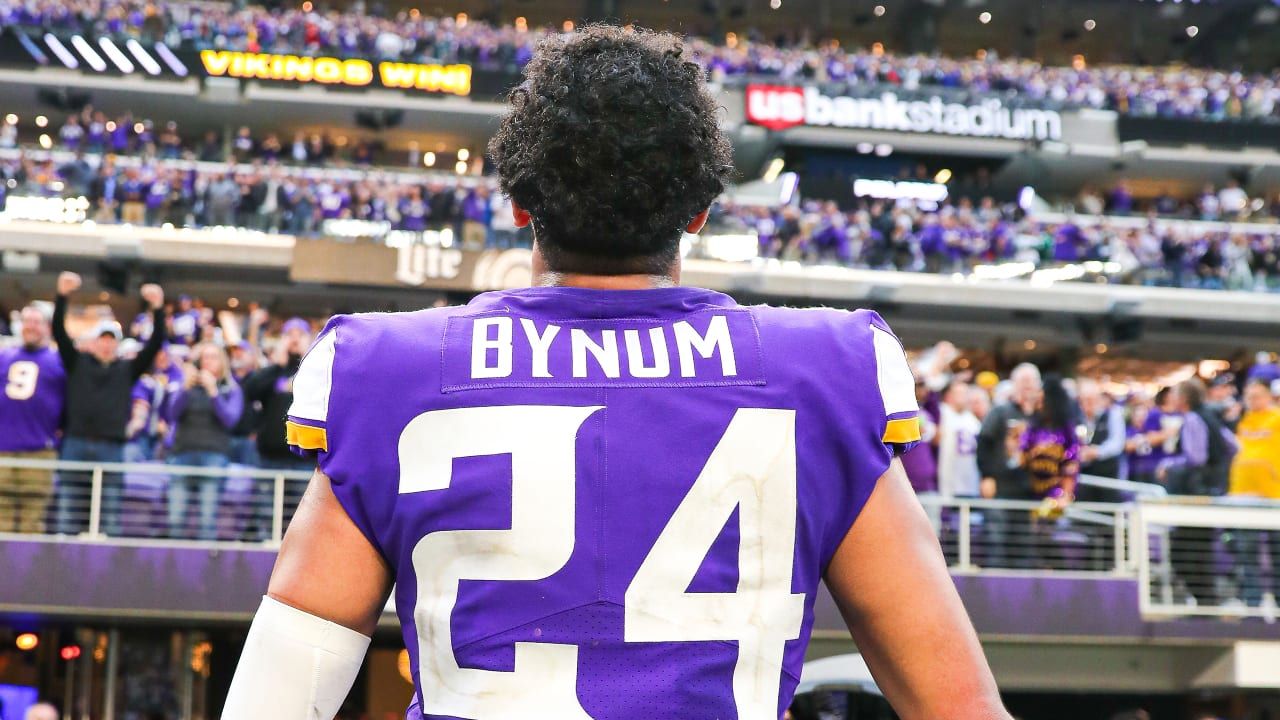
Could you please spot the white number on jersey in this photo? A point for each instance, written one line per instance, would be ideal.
(21, 384)
(752, 469)
(541, 440)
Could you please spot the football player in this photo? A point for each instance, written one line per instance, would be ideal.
(608, 496)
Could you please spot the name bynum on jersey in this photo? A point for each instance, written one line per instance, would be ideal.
(602, 504)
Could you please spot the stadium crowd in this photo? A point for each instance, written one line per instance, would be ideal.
(956, 238)
(1178, 92)
(1030, 437)
(261, 197)
(191, 388)
(176, 385)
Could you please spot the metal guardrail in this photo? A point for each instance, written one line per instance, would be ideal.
(981, 536)
(1196, 556)
(68, 504)
(1208, 557)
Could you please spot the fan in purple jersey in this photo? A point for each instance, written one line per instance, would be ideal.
(30, 410)
(606, 496)
(185, 322)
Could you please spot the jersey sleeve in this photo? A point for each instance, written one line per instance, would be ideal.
(897, 388)
(307, 427)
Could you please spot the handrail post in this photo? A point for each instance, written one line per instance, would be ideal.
(95, 503)
(963, 538)
(1118, 535)
(1166, 566)
(277, 510)
(1142, 553)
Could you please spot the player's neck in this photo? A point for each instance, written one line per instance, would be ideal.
(604, 282)
(544, 276)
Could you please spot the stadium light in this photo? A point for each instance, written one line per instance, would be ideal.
(27, 641)
(11, 119)
(70, 652)
(775, 169)
(775, 4)
(461, 167)
(42, 121)
(1090, 24)
(88, 53)
(61, 51)
(1192, 31)
(464, 154)
(171, 60)
(879, 11)
(121, 61)
(46, 142)
(144, 58)
(984, 18)
(429, 159)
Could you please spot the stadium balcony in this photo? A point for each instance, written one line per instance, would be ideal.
(1054, 129)
(1064, 282)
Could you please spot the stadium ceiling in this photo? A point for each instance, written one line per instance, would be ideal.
(1224, 33)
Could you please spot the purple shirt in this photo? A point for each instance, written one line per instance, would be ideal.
(413, 215)
(1268, 372)
(154, 389)
(558, 477)
(31, 404)
(186, 327)
(1050, 457)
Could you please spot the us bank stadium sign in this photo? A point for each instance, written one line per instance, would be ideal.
(452, 79)
(779, 108)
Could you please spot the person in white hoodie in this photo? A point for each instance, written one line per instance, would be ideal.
(958, 429)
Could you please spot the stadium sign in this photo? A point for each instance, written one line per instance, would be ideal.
(427, 264)
(453, 79)
(779, 108)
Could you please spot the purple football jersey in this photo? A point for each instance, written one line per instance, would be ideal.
(31, 404)
(605, 504)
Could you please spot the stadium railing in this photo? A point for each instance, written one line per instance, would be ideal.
(1208, 557)
(102, 501)
(980, 535)
(1190, 556)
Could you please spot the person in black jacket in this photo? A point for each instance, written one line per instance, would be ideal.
(271, 388)
(98, 405)
(1008, 531)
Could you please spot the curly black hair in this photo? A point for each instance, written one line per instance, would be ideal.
(613, 146)
(1058, 410)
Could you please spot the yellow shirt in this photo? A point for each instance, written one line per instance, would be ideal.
(1256, 468)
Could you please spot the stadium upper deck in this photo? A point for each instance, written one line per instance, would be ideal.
(1173, 91)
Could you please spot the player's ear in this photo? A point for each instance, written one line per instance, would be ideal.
(698, 222)
(521, 215)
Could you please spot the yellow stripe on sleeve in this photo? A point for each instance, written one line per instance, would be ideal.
(902, 431)
(306, 437)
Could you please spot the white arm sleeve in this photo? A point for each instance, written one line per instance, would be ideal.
(295, 666)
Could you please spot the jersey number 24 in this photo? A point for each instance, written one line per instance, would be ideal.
(752, 468)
